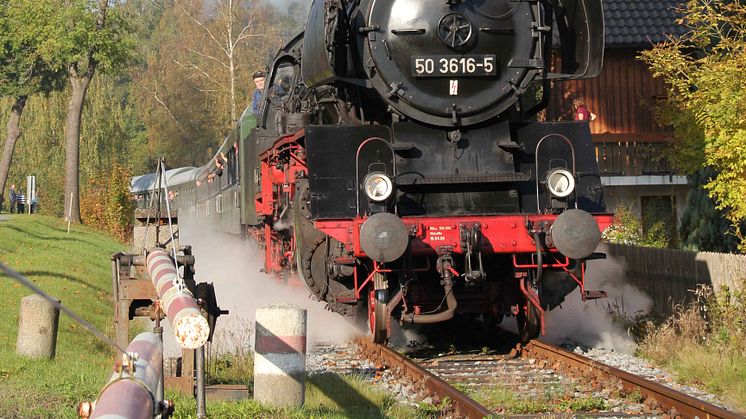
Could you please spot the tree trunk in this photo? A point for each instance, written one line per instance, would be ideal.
(72, 144)
(79, 83)
(14, 131)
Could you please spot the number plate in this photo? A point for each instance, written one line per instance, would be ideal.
(453, 65)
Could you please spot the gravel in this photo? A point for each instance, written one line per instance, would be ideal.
(642, 368)
(343, 359)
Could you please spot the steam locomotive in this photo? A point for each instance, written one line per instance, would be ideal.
(398, 167)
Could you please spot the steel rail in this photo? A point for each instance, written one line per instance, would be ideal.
(668, 398)
(463, 405)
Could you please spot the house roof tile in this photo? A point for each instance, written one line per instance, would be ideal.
(640, 22)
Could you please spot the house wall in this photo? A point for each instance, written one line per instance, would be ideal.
(623, 97)
(632, 196)
(630, 145)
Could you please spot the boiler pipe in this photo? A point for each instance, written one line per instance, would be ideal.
(189, 325)
(131, 391)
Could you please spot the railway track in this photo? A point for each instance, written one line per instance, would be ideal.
(660, 398)
(537, 365)
(463, 405)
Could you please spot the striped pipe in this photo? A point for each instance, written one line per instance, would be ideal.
(132, 396)
(189, 325)
(280, 355)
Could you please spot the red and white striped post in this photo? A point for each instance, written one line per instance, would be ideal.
(132, 394)
(189, 325)
(280, 355)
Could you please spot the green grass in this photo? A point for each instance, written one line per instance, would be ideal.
(722, 372)
(705, 352)
(327, 396)
(554, 399)
(76, 269)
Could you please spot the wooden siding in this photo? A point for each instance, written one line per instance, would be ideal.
(623, 97)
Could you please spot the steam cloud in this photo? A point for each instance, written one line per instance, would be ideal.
(590, 323)
(233, 265)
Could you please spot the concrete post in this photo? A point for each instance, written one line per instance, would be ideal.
(37, 328)
(280, 361)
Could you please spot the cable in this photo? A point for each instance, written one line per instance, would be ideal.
(168, 212)
(91, 328)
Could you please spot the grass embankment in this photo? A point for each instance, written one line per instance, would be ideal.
(704, 345)
(75, 268)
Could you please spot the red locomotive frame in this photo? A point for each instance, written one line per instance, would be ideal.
(284, 163)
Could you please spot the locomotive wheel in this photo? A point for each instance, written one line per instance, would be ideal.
(309, 244)
(378, 309)
(528, 323)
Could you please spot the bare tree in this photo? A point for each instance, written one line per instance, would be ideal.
(225, 35)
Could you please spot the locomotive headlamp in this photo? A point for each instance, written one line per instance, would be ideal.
(378, 186)
(560, 183)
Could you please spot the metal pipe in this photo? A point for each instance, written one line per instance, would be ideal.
(158, 330)
(140, 260)
(539, 257)
(190, 327)
(437, 317)
(131, 391)
(200, 371)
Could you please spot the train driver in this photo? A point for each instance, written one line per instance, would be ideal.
(256, 100)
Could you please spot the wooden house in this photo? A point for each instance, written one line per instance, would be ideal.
(629, 141)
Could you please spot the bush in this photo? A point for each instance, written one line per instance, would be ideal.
(627, 229)
(705, 342)
(105, 203)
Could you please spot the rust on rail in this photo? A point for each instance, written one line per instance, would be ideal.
(668, 398)
(463, 405)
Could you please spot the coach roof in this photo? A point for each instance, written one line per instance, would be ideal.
(144, 183)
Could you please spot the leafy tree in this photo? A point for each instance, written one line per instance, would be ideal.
(196, 80)
(77, 36)
(703, 227)
(706, 101)
(22, 74)
(110, 134)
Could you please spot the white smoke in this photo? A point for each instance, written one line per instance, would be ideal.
(591, 323)
(233, 265)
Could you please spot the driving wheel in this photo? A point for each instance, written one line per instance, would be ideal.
(377, 308)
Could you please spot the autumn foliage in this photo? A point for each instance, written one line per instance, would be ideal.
(704, 72)
(106, 204)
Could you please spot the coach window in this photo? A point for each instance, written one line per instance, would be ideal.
(231, 166)
(234, 151)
